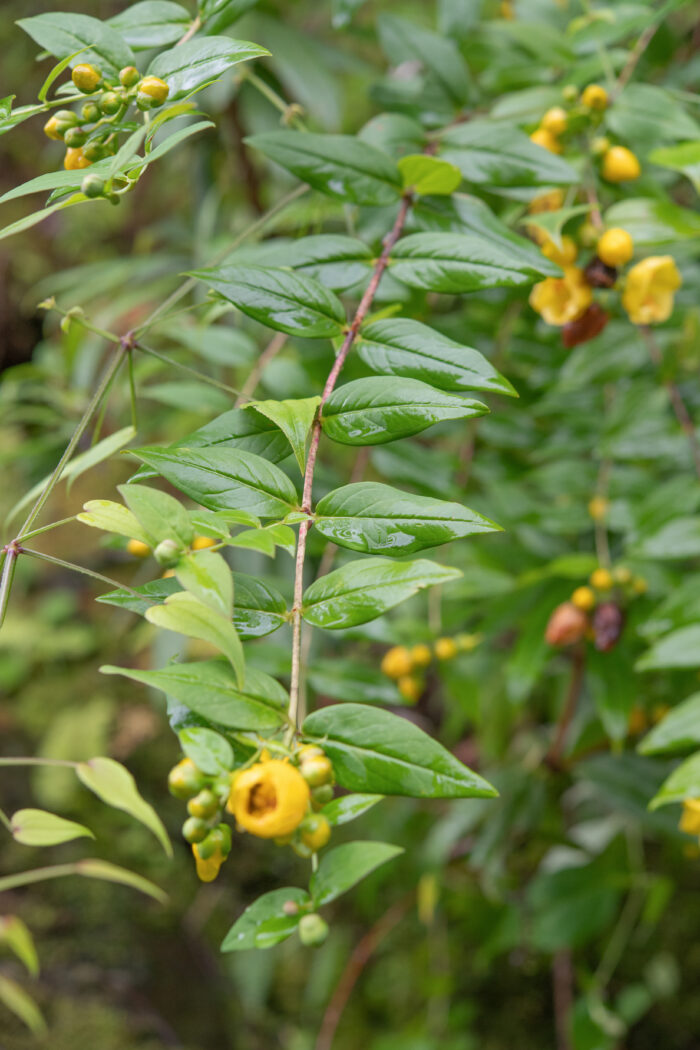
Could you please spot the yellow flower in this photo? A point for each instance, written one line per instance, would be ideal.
(595, 97)
(690, 820)
(648, 295)
(559, 300)
(544, 138)
(615, 247)
(421, 655)
(270, 799)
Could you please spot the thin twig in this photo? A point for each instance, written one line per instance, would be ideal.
(271, 350)
(554, 754)
(355, 965)
(200, 376)
(360, 314)
(635, 55)
(61, 564)
(679, 406)
(193, 28)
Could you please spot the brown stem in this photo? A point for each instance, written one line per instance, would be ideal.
(635, 54)
(270, 351)
(679, 406)
(563, 995)
(194, 27)
(355, 965)
(554, 754)
(248, 169)
(306, 504)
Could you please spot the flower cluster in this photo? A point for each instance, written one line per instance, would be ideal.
(595, 610)
(407, 666)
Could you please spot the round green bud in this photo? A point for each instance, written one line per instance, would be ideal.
(92, 186)
(129, 76)
(185, 780)
(217, 841)
(204, 805)
(144, 102)
(86, 77)
(110, 103)
(321, 795)
(114, 198)
(313, 930)
(91, 112)
(194, 830)
(74, 137)
(167, 553)
(570, 93)
(94, 151)
(67, 117)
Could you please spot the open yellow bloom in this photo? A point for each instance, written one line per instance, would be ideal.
(270, 799)
(690, 821)
(559, 300)
(648, 295)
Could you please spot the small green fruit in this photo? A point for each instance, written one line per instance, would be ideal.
(110, 103)
(74, 137)
(92, 186)
(195, 830)
(313, 930)
(167, 553)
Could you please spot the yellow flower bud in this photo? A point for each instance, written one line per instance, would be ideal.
(86, 77)
(601, 579)
(595, 97)
(138, 549)
(615, 247)
(315, 831)
(583, 598)
(649, 289)
(620, 165)
(51, 129)
(207, 869)
(564, 256)
(622, 575)
(545, 139)
(75, 159)
(445, 648)
(270, 799)
(410, 688)
(555, 120)
(397, 662)
(598, 508)
(421, 655)
(155, 88)
(200, 543)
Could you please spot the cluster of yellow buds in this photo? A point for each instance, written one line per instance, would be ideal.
(407, 665)
(594, 610)
(206, 797)
(94, 134)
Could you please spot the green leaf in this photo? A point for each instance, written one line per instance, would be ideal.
(112, 517)
(210, 689)
(207, 576)
(339, 165)
(200, 61)
(18, 1002)
(153, 23)
(653, 222)
(678, 649)
(678, 538)
(495, 154)
(102, 869)
(225, 479)
(683, 783)
(285, 301)
(162, 516)
(373, 750)
(115, 785)
(63, 34)
(684, 158)
(334, 260)
(647, 115)
(16, 936)
(55, 74)
(294, 418)
(343, 867)
(77, 466)
(55, 180)
(455, 263)
(265, 922)
(349, 807)
(679, 730)
(423, 174)
(403, 347)
(38, 216)
(553, 222)
(362, 590)
(209, 751)
(183, 613)
(404, 41)
(374, 411)
(378, 519)
(36, 827)
(167, 144)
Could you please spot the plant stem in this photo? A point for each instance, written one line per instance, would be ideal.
(193, 28)
(578, 662)
(26, 878)
(8, 573)
(677, 402)
(200, 376)
(38, 762)
(287, 109)
(306, 503)
(270, 351)
(79, 568)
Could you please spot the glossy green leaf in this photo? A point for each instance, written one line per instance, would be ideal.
(112, 517)
(200, 61)
(683, 783)
(183, 613)
(648, 115)
(679, 730)
(403, 347)
(162, 516)
(21, 1004)
(280, 299)
(653, 222)
(349, 807)
(678, 649)
(63, 34)
(374, 411)
(115, 785)
(496, 154)
(455, 263)
(684, 158)
(265, 922)
(225, 479)
(378, 519)
(36, 827)
(334, 260)
(152, 23)
(423, 174)
(373, 750)
(210, 689)
(15, 935)
(338, 165)
(294, 418)
(362, 590)
(404, 41)
(209, 751)
(206, 575)
(343, 867)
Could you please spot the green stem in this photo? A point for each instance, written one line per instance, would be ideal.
(4, 819)
(47, 528)
(190, 371)
(81, 569)
(132, 392)
(94, 403)
(38, 762)
(285, 108)
(8, 574)
(26, 878)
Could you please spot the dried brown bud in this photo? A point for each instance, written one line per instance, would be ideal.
(586, 327)
(608, 622)
(567, 624)
(599, 275)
